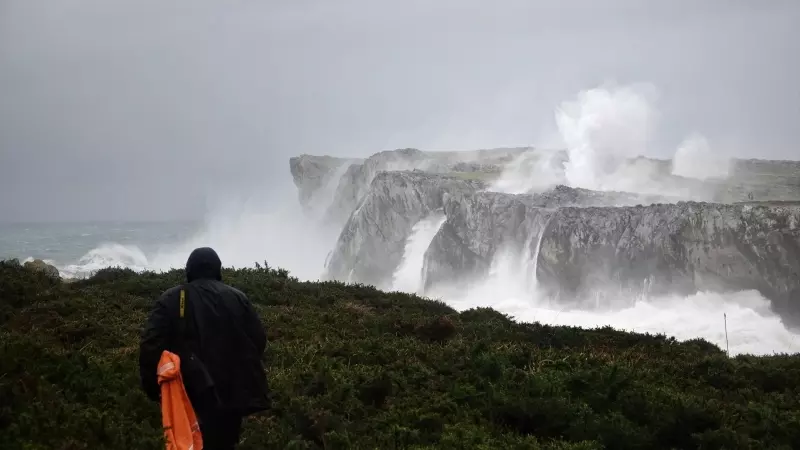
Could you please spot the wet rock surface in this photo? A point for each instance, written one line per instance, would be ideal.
(373, 239)
(582, 246)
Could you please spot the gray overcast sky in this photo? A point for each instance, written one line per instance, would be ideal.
(139, 109)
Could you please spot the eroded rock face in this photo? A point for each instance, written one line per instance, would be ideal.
(581, 244)
(479, 223)
(673, 248)
(337, 185)
(356, 182)
(371, 244)
(313, 174)
(587, 253)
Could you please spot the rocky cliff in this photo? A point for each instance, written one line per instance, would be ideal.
(583, 249)
(371, 244)
(315, 174)
(357, 180)
(348, 180)
(575, 245)
(672, 248)
(478, 224)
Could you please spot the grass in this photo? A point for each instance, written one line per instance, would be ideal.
(354, 367)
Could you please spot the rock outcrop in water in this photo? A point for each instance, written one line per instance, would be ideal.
(573, 244)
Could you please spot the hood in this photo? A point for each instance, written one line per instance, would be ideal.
(203, 263)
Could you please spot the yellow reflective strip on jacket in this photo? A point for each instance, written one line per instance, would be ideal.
(183, 302)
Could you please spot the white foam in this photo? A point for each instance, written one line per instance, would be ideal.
(243, 233)
(604, 129)
(408, 276)
(752, 328)
(106, 255)
(601, 129)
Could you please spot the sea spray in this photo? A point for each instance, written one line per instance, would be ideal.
(603, 128)
(408, 276)
(531, 172)
(694, 158)
(539, 231)
(104, 256)
(323, 198)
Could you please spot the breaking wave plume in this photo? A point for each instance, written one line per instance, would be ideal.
(531, 172)
(408, 276)
(245, 232)
(602, 129)
(695, 159)
(605, 131)
(106, 255)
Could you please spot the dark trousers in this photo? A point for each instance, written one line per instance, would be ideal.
(220, 431)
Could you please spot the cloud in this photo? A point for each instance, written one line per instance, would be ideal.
(124, 110)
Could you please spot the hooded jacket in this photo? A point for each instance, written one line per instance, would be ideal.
(221, 328)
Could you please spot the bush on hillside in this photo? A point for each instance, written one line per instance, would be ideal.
(354, 367)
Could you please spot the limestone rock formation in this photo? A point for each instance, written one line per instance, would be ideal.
(590, 252)
(371, 244)
(357, 180)
(312, 174)
(673, 248)
(479, 223)
(348, 180)
(475, 228)
(660, 233)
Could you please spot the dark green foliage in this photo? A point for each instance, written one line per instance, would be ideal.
(354, 367)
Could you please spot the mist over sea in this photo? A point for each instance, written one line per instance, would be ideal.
(78, 249)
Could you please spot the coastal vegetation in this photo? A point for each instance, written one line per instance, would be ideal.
(352, 367)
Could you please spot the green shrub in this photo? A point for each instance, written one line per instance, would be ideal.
(354, 367)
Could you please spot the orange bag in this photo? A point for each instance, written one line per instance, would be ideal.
(180, 422)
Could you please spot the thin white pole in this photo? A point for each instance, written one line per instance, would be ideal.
(727, 347)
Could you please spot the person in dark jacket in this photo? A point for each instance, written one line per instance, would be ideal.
(220, 341)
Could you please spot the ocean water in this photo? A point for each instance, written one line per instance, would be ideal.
(78, 249)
